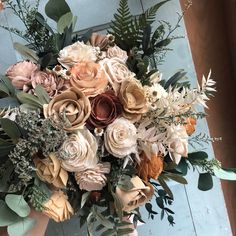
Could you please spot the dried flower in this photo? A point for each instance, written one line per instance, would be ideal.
(98, 40)
(150, 168)
(75, 53)
(133, 99)
(20, 73)
(2, 6)
(71, 105)
(117, 52)
(57, 207)
(105, 108)
(79, 151)
(93, 179)
(121, 138)
(98, 132)
(49, 170)
(135, 197)
(89, 77)
(190, 125)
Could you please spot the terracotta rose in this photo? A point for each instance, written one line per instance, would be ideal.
(89, 77)
(150, 168)
(105, 108)
(49, 170)
(135, 197)
(132, 97)
(190, 125)
(57, 207)
(70, 107)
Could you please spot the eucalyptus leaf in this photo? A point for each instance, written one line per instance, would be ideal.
(10, 128)
(7, 216)
(224, 173)
(65, 21)
(55, 9)
(6, 81)
(182, 166)
(84, 198)
(21, 227)
(42, 94)
(205, 181)
(39, 17)
(176, 177)
(26, 52)
(165, 187)
(9, 102)
(197, 156)
(30, 99)
(17, 204)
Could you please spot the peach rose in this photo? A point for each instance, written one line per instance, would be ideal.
(57, 207)
(79, 151)
(190, 125)
(75, 53)
(89, 77)
(132, 97)
(150, 168)
(93, 179)
(120, 138)
(72, 106)
(49, 170)
(20, 73)
(135, 197)
(117, 52)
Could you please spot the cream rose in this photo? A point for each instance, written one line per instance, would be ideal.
(93, 179)
(121, 138)
(79, 151)
(89, 77)
(76, 53)
(135, 197)
(177, 142)
(117, 52)
(133, 99)
(57, 207)
(49, 170)
(71, 107)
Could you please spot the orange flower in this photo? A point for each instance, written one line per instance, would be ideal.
(1, 5)
(190, 125)
(89, 77)
(150, 168)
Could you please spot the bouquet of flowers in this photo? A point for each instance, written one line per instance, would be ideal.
(89, 127)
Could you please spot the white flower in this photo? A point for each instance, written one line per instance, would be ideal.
(177, 142)
(75, 53)
(116, 52)
(155, 92)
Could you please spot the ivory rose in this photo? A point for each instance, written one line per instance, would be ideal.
(132, 97)
(93, 179)
(57, 207)
(105, 108)
(150, 168)
(79, 151)
(72, 106)
(89, 77)
(117, 52)
(121, 138)
(135, 197)
(49, 170)
(75, 53)
(20, 73)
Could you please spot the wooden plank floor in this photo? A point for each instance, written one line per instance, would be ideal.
(197, 213)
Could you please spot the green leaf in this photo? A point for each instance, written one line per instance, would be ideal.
(165, 187)
(55, 9)
(197, 156)
(124, 232)
(4, 180)
(102, 220)
(26, 52)
(42, 94)
(108, 232)
(10, 128)
(29, 99)
(160, 202)
(39, 17)
(175, 78)
(18, 204)
(65, 21)
(205, 181)
(118, 205)
(21, 227)
(84, 198)
(46, 60)
(7, 83)
(182, 166)
(5, 149)
(9, 102)
(226, 174)
(178, 178)
(7, 216)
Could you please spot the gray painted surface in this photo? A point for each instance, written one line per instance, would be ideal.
(196, 213)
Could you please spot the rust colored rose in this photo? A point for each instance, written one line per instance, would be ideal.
(105, 108)
(57, 207)
(89, 77)
(132, 97)
(190, 125)
(137, 196)
(49, 170)
(99, 40)
(20, 73)
(71, 107)
(150, 168)
(48, 80)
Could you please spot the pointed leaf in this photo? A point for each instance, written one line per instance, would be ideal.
(42, 94)
(84, 198)
(9, 102)
(226, 174)
(26, 52)
(64, 21)
(11, 128)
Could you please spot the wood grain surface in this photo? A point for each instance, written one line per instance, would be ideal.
(212, 35)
